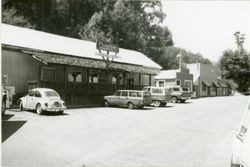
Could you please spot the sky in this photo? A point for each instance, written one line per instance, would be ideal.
(207, 27)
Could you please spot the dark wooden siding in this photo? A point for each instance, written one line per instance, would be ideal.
(20, 68)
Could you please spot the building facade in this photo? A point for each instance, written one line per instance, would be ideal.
(205, 79)
(72, 67)
(181, 77)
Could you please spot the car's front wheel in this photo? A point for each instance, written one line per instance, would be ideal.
(174, 99)
(156, 103)
(106, 103)
(131, 105)
(39, 109)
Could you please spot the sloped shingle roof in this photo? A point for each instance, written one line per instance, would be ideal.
(28, 38)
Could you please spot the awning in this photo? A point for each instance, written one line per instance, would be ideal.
(206, 83)
(90, 63)
(216, 84)
(222, 85)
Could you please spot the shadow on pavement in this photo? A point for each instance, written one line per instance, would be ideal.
(7, 116)
(54, 114)
(10, 127)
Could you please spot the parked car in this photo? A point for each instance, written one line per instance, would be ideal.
(241, 143)
(179, 94)
(128, 98)
(160, 95)
(42, 99)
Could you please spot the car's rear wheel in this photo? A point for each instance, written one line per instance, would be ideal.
(156, 103)
(106, 103)
(39, 109)
(174, 99)
(131, 105)
(21, 106)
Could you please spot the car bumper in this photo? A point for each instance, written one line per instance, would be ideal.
(54, 109)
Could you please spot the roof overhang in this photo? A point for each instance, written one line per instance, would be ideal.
(90, 63)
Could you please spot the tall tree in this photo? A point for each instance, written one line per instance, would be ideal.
(10, 16)
(235, 65)
(169, 59)
(63, 17)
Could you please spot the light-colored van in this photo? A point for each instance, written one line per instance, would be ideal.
(241, 144)
(160, 95)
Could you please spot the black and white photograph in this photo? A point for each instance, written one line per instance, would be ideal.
(125, 83)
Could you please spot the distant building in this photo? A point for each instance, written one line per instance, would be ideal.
(175, 77)
(206, 82)
(72, 67)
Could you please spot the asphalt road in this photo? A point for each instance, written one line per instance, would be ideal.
(195, 134)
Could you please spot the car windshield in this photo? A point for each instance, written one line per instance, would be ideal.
(51, 94)
(146, 93)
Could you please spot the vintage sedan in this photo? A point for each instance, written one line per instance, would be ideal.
(42, 99)
(128, 98)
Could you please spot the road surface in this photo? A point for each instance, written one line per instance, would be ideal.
(195, 134)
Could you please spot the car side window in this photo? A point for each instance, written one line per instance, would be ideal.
(117, 93)
(139, 94)
(132, 94)
(31, 93)
(157, 90)
(37, 94)
(176, 89)
(124, 94)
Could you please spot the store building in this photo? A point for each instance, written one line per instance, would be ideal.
(205, 79)
(72, 67)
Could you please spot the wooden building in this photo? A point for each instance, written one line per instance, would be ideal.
(206, 81)
(181, 77)
(72, 67)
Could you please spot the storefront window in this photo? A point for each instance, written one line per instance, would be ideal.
(114, 80)
(74, 76)
(145, 80)
(121, 79)
(93, 77)
(48, 74)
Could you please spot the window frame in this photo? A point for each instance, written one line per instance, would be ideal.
(74, 70)
(48, 68)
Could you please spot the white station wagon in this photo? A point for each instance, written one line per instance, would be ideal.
(128, 98)
(42, 99)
